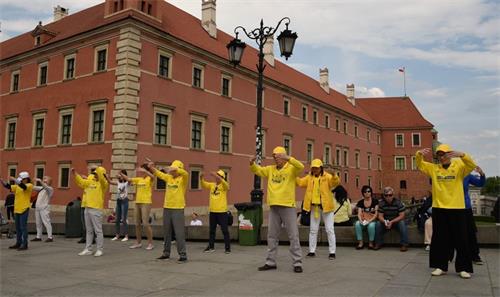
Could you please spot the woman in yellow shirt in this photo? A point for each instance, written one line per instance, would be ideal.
(218, 208)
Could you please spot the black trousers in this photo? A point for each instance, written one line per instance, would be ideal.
(219, 218)
(450, 233)
(472, 230)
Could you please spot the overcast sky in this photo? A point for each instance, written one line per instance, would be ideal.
(450, 48)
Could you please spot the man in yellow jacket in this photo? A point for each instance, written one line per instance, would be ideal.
(281, 199)
(176, 179)
(318, 200)
(95, 187)
(448, 208)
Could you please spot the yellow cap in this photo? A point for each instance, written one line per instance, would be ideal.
(221, 174)
(177, 164)
(316, 163)
(100, 170)
(279, 150)
(443, 148)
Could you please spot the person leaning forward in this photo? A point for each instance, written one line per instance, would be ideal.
(281, 199)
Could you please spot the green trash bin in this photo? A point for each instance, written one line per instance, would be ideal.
(249, 222)
(73, 225)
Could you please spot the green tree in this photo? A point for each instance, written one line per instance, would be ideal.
(492, 186)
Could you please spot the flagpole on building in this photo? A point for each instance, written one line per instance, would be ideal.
(404, 78)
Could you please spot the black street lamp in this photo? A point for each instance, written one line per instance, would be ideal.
(286, 41)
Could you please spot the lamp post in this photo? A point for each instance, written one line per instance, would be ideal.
(236, 47)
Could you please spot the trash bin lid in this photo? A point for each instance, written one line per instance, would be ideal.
(246, 205)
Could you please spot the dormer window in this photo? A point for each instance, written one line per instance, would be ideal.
(38, 40)
(41, 34)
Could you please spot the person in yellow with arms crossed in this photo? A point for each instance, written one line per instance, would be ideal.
(449, 218)
(281, 199)
(318, 200)
(22, 189)
(95, 187)
(218, 208)
(176, 180)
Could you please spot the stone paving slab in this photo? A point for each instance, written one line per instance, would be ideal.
(55, 269)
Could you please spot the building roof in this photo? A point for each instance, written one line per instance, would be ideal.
(394, 112)
(186, 27)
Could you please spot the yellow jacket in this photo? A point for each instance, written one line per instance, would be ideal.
(218, 195)
(22, 200)
(143, 186)
(94, 190)
(447, 184)
(280, 182)
(326, 183)
(176, 188)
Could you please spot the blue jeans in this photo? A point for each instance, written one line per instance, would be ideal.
(359, 230)
(401, 226)
(121, 216)
(21, 220)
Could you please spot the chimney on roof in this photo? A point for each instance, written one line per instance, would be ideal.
(208, 17)
(350, 94)
(60, 12)
(323, 79)
(268, 50)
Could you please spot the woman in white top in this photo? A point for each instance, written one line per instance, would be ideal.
(121, 206)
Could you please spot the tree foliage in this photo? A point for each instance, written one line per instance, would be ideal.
(492, 186)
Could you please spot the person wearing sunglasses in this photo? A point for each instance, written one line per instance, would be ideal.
(367, 217)
(391, 215)
(449, 215)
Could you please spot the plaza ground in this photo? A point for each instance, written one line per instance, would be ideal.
(54, 269)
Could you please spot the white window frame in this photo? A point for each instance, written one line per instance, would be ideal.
(199, 169)
(12, 74)
(329, 159)
(63, 112)
(327, 121)
(413, 163)
(202, 75)
(230, 86)
(368, 135)
(9, 169)
(379, 163)
(96, 107)
(345, 127)
(396, 162)
(338, 156)
(96, 50)
(38, 116)
(9, 121)
(356, 181)
(59, 175)
(356, 131)
(155, 180)
(170, 57)
(306, 116)
(345, 156)
(39, 77)
(203, 124)
(419, 139)
(310, 157)
(226, 124)
(164, 111)
(337, 124)
(379, 138)
(357, 160)
(315, 116)
(285, 111)
(369, 181)
(346, 177)
(65, 70)
(35, 169)
(290, 147)
(396, 140)
(369, 161)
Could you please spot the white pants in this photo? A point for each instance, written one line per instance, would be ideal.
(313, 230)
(93, 223)
(43, 219)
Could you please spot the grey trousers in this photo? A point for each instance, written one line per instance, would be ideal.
(287, 216)
(93, 223)
(174, 219)
(42, 218)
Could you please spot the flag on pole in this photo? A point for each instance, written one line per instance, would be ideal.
(401, 69)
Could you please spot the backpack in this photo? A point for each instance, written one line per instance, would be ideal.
(229, 218)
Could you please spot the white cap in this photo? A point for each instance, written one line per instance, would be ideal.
(24, 174)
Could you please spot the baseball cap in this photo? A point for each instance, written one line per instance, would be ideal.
(24, 174)
(279, 150)
(221, 174)
(316, 163)
(443, 148)
(177, 164)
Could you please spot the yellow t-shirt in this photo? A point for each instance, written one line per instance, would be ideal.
(176, 188)
(143, 189)
(218, 195)
(22, 197)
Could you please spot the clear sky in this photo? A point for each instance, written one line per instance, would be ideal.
(450, 49)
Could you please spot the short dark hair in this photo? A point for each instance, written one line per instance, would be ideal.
(366, 187)
(124, 172)
(340, 193)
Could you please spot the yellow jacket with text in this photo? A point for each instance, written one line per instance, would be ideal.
(280, 182)
(218, 195)
(447, 184)
(175, 193)
(326, 183)
(143, 186)
(94, 190)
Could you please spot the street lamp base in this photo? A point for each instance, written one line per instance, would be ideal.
(256, 196)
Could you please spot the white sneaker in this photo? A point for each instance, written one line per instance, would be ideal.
(427, 248)
(464, 274)
(150, 247)
(115, 238)
(85, 252)
(438, 272)
(98, 253)
(136, 246)
(125, 238)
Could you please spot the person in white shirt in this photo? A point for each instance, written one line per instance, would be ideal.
(195, 221)
(42, 208)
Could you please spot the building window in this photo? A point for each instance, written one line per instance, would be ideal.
(337, 125)
(66, 121)
(369, 161)
(69, 66)
(345, 127)
(286, 106)
(346, 177)
(226, 137)
(356, 159)
(101, 58)
(415, 137)
(413, 163)
(12, 170)
(379, 163)
(356, 181)
(368, 135)
(160, 183)
(356, 131)
(198, 76)
(226, 86)
(327, 154)
(10, 141)
(42, 73)
(287, 144)
(97, 126)
(164, 65)
(327, 121)
(64, 175)
(38, 40)
(399, 163)
(197, 132)
(378, 139)
(310, 151)
(346, 158)
(162, 118)
(399, 140)
(38, 127)
(402, 184)
(315, 117)
(195, 178)
(337, 157)
(370, 181)
(15, 77)
(304, 113)
(39, 172)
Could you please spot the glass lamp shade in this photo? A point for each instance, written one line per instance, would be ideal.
(286, 40)
(235, 50)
